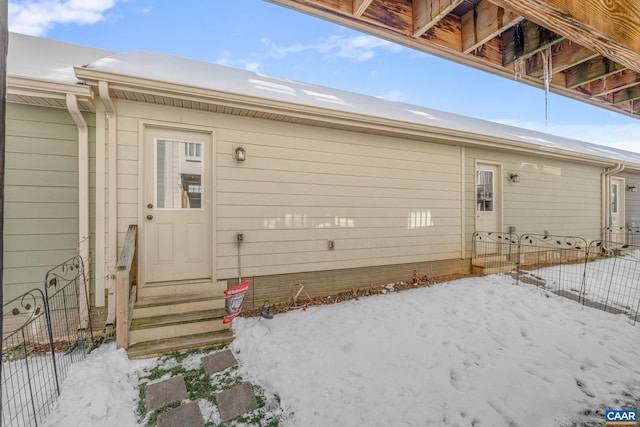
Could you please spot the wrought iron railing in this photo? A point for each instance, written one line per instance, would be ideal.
(46, 331)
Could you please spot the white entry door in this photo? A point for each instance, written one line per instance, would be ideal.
(488, 203)
(177, 205)
(616, 203)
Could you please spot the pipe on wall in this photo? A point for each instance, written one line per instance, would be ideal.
(100, 275)
(83, 203)
(112, 196)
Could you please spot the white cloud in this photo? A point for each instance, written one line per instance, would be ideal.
(359, 47)
(624, 137)
(35, 17)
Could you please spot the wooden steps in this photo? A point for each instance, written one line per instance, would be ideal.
(178, 316)
(159, 347)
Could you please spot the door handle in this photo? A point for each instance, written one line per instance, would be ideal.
(149, 217)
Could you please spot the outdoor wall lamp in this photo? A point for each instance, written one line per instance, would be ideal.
(514, 177)
(240, 154)
(632, 188)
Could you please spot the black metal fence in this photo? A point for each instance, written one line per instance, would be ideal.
(601, 274)
(494, 252)
(622, 235)
(46, 331)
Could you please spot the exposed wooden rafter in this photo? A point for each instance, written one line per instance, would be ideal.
(628, 94)
(565, 54)
(618, 81)
(525, 40)
(611, 28)
(484, 22)
(592, 47)
(591, 70)
(427, 13)
(359, 6)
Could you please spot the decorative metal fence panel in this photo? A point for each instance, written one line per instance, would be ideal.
(44, 335)
(495, 252)
(555, 262)
(600, 274)
(612, 278)
(620, 235)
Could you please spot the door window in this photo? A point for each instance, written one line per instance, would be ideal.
(178, 182)
(484, 190)
(614, 198)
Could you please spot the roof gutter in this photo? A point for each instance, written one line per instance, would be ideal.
(44, 89)
(83, 204)
(112, 196)
(606, 193)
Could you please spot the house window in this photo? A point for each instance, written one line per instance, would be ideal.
(178, 174)
(484, 190)
(614, 198)
(192, 151)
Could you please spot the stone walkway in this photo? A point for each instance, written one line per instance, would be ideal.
(232, 403)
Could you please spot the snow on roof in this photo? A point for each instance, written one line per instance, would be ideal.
(189, 72)
(49, 60)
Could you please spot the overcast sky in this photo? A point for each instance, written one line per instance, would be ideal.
(260, 36)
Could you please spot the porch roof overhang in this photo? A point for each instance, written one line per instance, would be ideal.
(454, 132)
(592, 46)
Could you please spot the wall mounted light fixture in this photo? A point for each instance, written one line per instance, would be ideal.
(239, 153)
(632, 188)
(514, 177)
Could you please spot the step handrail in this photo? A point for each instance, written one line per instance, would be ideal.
(126, 281)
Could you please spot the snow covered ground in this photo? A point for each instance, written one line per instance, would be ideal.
(611, 281)
(474, 352)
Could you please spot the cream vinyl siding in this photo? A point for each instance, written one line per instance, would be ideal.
(128, 193)
(41, 193)
(382, 200)
(559, 196)
(632, 199)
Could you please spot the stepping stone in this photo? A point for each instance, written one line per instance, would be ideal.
(236, 401)
(218, 362)
(187, 415)
(164, 392)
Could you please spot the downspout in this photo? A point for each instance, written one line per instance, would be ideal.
(112, 196)
(463, 219)
(606, 193)
(83, 204)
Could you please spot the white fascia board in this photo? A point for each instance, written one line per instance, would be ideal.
(48, 90)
